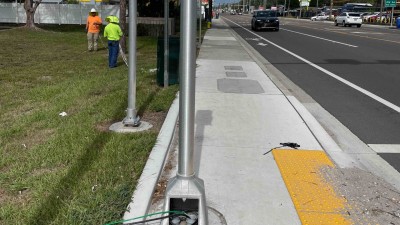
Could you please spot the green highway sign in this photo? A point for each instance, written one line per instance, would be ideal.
(390, 3)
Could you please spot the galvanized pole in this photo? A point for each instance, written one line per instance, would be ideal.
(131, 118)
(187, 65)
(185, 186)
(391, 19)
(166, 43)
(200, 18)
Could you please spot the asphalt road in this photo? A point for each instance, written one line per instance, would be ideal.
(353, 73)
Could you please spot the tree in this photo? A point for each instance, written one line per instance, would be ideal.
(30, 7)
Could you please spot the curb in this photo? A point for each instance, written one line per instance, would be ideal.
(142, 196)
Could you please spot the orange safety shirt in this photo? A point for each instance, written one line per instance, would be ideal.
(92, 28)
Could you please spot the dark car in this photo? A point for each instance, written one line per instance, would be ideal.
(265, 19)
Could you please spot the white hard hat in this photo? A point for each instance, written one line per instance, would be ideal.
(93, 10)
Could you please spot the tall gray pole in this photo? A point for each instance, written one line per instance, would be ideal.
(166, 43)
(187, 66)
(284, 8)
(185, 186)
(200, 18)
(265, 4)
(131, 118)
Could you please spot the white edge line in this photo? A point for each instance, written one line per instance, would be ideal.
(309, 35)
(370, 94)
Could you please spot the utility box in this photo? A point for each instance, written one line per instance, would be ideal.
(173, 60)
(398, 22)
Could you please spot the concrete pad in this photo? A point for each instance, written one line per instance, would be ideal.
(209, 71)
(119, 127)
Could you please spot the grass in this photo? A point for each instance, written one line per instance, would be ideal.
(71, 170)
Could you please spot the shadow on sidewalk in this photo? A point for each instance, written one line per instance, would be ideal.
(203, 119)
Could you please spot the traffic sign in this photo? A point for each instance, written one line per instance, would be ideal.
(390, 3)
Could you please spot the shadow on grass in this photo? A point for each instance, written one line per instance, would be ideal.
(51, 207)
(146, 104)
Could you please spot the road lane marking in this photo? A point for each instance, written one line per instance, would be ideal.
(339, 31)
(354, 86)
(337, 42)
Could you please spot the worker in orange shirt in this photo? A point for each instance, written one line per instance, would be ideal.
(93, 24)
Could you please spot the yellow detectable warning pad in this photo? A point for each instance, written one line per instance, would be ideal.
(314, 199)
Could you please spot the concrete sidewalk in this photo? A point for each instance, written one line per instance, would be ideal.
(240, 114)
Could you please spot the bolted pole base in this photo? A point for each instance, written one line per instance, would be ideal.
(131, 118)
(186, 194)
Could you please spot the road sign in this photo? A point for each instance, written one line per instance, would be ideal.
(306, 3)
(390, 3)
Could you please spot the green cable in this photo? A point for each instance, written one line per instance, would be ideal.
(152, 214)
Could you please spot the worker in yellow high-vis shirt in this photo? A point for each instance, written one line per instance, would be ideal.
(113, 33)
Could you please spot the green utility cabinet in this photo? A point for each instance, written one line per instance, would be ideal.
(173, 65)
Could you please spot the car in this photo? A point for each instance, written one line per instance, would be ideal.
(233, 12)
(320, 17)
(240, 13)
(348, 19)
(265, 19)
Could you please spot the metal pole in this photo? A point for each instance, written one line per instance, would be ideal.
(265, 4)
(166, 42)
(391, 19)
(185, 186)
(59, 14)
(17, 14)
(284, 8)
(300, 11)
(200, 18)
(131, 118)
(187, 66)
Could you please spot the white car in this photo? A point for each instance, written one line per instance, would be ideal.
(319, 17)
(348, 19)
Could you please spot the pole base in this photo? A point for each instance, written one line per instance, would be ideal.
(186, 194)
(131, 121)
(120, 127)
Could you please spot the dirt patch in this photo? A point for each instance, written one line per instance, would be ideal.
(22, 197)
(104, 126)
(3, 196)
(371, 200)
(155, 118)
(42, 171)
(38, 137)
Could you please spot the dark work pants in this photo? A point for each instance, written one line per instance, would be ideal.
(113, 49)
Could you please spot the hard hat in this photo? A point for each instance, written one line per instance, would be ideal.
(93, 10)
